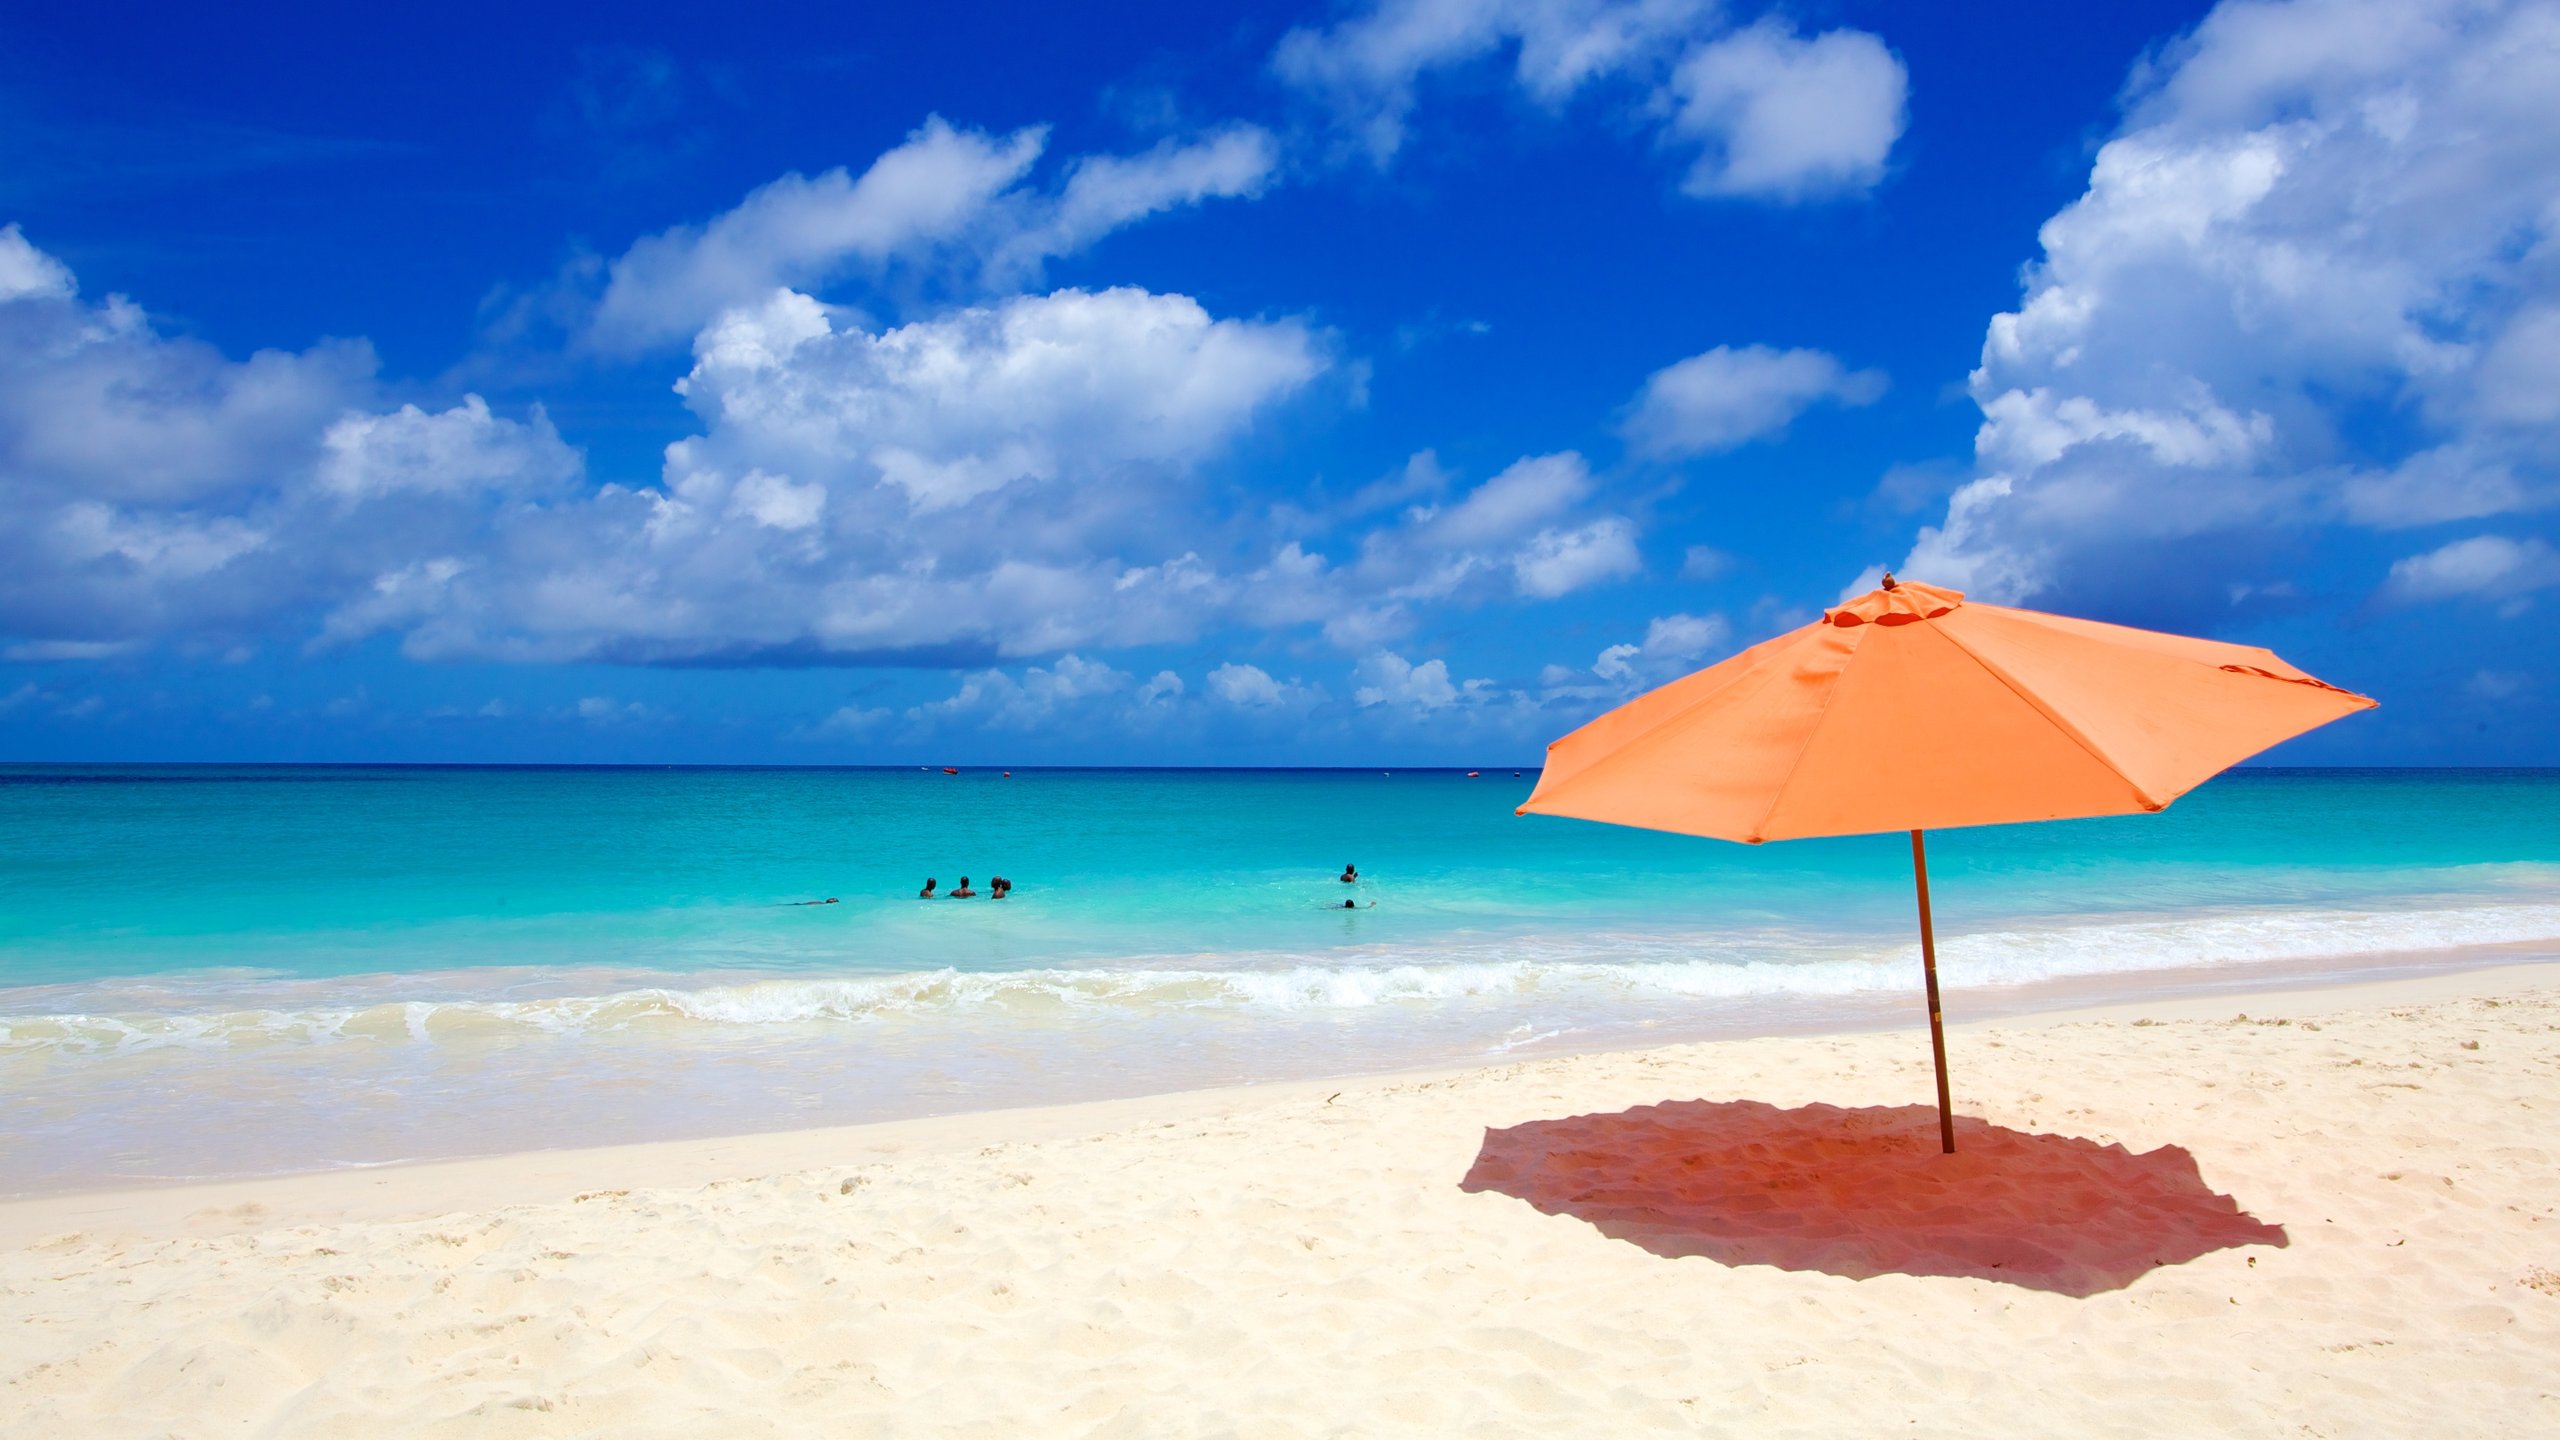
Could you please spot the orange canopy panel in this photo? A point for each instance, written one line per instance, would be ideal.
(1909, 709)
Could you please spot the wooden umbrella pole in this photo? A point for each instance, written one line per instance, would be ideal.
(1929, 968)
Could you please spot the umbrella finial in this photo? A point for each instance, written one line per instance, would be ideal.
(1889, 582)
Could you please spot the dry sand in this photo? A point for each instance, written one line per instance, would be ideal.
(2340, 1216)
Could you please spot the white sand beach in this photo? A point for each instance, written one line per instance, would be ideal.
(2337, 1216)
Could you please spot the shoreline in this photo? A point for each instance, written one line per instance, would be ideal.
(2319, 1211)
(417, 1189)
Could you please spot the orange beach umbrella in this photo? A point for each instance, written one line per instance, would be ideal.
(1909, 709)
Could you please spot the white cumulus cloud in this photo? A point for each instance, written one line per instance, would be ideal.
(1730, 396)
(1370, 65)
(1104, 193)
(1000, 482)
(2317, 212)
(1783, 117)
(796, 230)
(1776, 116)
(1386, 678)
(994, 700)
(943, 191)
(1525, 493)
(28, 273)
(2490, 568)
(777, 504)
(464, 450)
(152, 487)
(1559, 562)
(1672, 645)
(1248, 685)
(1027, 389)
(951, 491)
(1535, 530)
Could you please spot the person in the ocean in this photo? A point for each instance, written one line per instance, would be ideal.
(998, 887)
(1350, 874)
(962, 891)
(1354, 904)
(927, 892)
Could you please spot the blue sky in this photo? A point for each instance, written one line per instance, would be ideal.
(1338, 383)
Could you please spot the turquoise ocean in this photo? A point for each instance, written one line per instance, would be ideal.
(211, 971)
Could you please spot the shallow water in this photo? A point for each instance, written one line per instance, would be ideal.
(222, 971)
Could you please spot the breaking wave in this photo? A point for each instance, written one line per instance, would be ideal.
(1596, 973)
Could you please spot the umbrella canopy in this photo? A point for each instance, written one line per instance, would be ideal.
(1910, 709)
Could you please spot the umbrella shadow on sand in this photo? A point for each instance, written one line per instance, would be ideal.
(1864, 1192)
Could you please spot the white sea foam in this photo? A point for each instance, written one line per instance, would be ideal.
(1594, 972)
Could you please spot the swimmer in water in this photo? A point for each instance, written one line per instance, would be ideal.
(962, 891)
(927, 892)
(1350, 874)
(1354, 905)
(998, 887)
